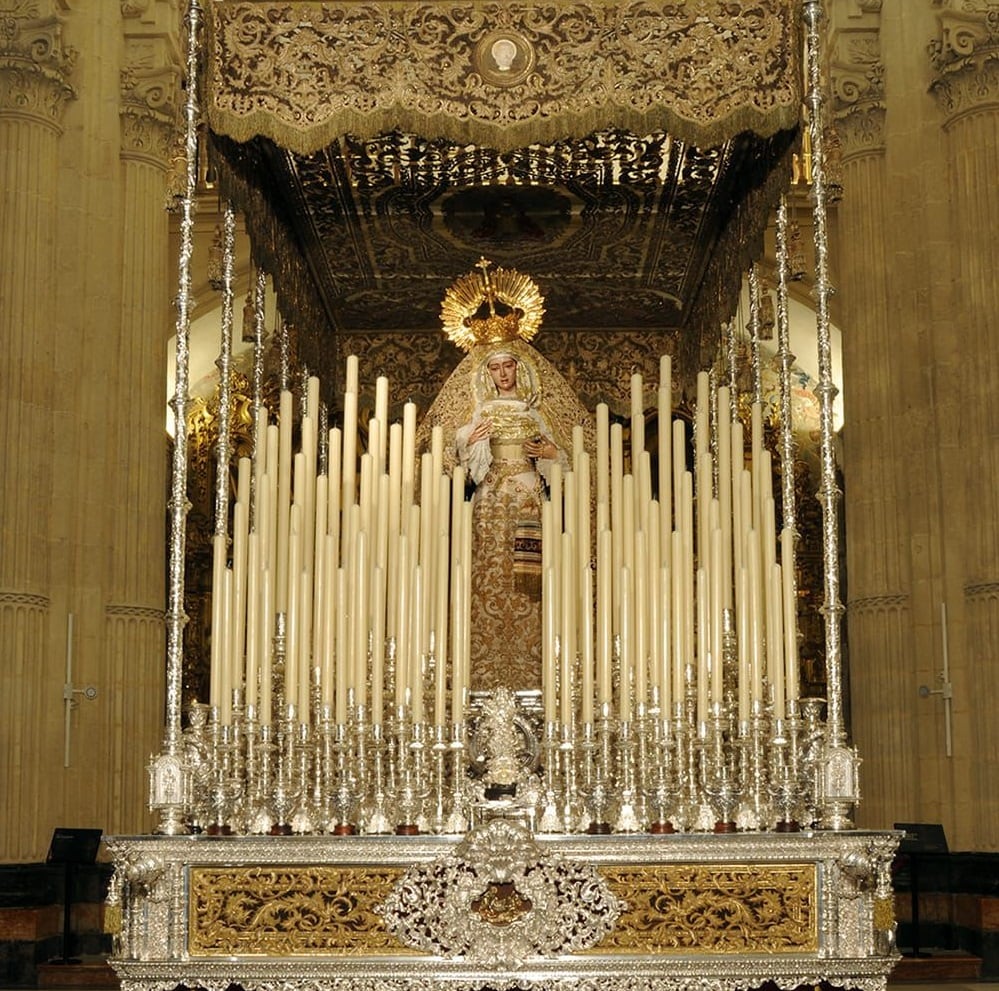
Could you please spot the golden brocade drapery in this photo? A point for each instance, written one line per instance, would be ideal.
(502, 75)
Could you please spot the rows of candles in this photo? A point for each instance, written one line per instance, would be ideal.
(341, 611)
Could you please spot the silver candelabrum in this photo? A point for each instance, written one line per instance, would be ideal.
(372, 773)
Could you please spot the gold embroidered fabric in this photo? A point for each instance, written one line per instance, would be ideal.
(503, 75)
(505, 621)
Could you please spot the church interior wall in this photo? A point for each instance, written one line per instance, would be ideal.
(85, 316)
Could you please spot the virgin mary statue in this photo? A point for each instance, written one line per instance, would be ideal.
(507, 416)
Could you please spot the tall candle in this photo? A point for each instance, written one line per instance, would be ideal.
(381, 415)
(334, 490)
(408, 457)
(266, 642)
(283, 507)
(549, 630)
(664, 406)
(252, 618)
(755, 616)
(604, 631)
(602, 467)
(341, 677)
(304, 657)
(790, 614)
(717, 604)
(416, 646)
(441, 632)
(402, 584)
(459, 634)
(624, 699)
(240, 550)
(677, 608)
(703, 641)
(568, 629)
(725, 489)
(639, 657)
(586, 649)
(348, 472)
(330, 606)
(775, 648)
(637, 419)
(378, 648)
(292, 631)
(360, 624)
(742, 609)
(225, 635)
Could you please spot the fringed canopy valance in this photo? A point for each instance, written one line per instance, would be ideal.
(501, 75)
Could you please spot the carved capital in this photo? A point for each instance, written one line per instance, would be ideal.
(965, 56)
(150, 79)
(857, 81)
(34, 64)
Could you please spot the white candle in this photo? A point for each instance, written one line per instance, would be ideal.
(440, 632)
(217, 657)
(716, 605)
(240, 550)
(341, 676)
(665, 462)
(381, 415)
(725, 490)
(775, 648)
(304, 658)
(408, 456)
(604, 631)
(639, 656)
(586, 652)
(252, 618)
(334, 490)
(755, 616)
(742, 607)
(568, 629)
(225, 635)
(360, 620)
(283, 507)
(637, 419)
(348, 471)
(266, 639)
(790, 614)
(459, 634)
(291, 671)
(678, 600)
(416, 646)
(549, 629)
(624, 698)
(378, 648)
(703, 649)
(330, 606)
(602, 466)
(402, 585)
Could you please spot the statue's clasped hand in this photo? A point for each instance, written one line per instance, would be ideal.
(482, 430)
(540, 447)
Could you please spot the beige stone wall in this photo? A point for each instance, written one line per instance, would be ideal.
(84, 136)
(916, 234)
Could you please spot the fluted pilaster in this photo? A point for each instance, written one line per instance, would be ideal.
(34, 90)
(965, 56)
(136, 484)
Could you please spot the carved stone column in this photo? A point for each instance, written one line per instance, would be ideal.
(878, 604)
(136, 484)
(965, 58)
(35, 67)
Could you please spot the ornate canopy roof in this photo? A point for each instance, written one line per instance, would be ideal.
(625, 155)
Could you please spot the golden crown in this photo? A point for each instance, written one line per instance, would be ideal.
(491, 305)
